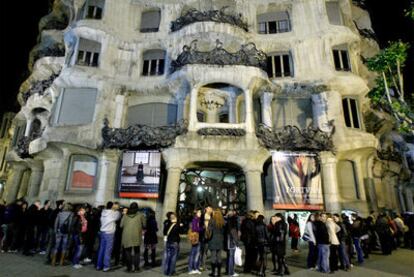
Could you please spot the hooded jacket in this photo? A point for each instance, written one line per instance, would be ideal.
(108, 221)
(132, 226)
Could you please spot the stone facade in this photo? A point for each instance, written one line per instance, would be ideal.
(119, 57)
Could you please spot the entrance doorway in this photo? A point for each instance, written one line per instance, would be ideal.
(218, 185)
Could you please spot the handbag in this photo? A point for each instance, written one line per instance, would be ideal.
(238, 256)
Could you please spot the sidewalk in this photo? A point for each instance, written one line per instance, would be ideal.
(400, 263)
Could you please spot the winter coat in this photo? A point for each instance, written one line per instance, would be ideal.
(132, 226)
(321, 233)
(150, 236)
(217, 238)
(108, 221)
(309, 232)
(332, 228)
(231, 233)
(261, 234)
(174, 235)
(279, 233)
(294, 231)
(248, 232)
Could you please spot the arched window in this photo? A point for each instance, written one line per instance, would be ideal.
(150, 21)
(154, 62)
(152, 114)
(88, 52)
(82, 173)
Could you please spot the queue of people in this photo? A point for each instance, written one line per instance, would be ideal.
(111, 235)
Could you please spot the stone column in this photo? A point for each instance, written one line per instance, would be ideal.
(120, 102)
(249, 111)
(180, 107)
(193, 110)
(35, 182)
(330, 183)
(171, 190)
(266, 101)
(231, 102)
(254, 190)
(28, 127)
(13, 181)
(107, 172)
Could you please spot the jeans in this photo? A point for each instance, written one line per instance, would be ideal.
(312, 255)
(360, 254)
(203, 254)
(343, 255)
(78, 249)
(194, 258)
(61, 243)
(230, 261)
(105, 251)
(171, 249)
(323, 258)
(43, 237)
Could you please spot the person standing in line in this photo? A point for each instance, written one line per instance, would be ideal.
(271, 229)
(52, 235)
(232, 241)
(356, 233)
(262, 239)
(204, 220)
(248, 237)
(194, 238)
(172, 233)
(294, 232)
(343, 238)
(215, 244)
(43, 227)
(62, 228)
(150, 239)
(108, 226)
(333, 229)
(322, 241)
(132, 224)
(280, 232)
(79, 228)
(309, 236)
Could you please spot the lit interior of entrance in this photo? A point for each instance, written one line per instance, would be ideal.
(220, 187)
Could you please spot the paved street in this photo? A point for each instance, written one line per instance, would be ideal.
(401, 263)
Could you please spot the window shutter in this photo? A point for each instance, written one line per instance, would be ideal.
(334, 13)
(140, 114)
(89, 45)
(150, 21)
(77, 106)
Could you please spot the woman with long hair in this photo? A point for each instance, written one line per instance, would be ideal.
(194, 238)
(215, 245)
(262, 239)
(309, 236)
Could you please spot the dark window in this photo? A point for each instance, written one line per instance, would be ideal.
(200, 116)
(272, 27)
(224, 118)
(94, 9)
(279, 66)
(154, 63)
(273, 22)
(341, 60)
(351, 113)
(88, 53)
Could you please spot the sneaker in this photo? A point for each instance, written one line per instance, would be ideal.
(198, 271)
(77, 266)
(42, 253)
(235, 274)
(106, 269)
(192, 272)
(87, 260)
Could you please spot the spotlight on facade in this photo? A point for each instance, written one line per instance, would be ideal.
(200, 189)
(279, 156)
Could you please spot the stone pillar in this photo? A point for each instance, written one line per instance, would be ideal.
(35, 182)
(254, 190)
(28, 127)
(119, 111)
(249, 111)
(13, 181)
(108, 165)
(212, 116)
(193, 110)
(180, 107)
(330, 183)
(370, 193)
(266, 101)
(171, 190)
(409, 200)
(231, 102)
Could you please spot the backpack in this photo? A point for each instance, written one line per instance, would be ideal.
(64, 228)
(193, 237)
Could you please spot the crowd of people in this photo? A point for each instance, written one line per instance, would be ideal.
(111, 235)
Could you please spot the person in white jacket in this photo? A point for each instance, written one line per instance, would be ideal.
(309, 236)
(108, 225)
(333, 228)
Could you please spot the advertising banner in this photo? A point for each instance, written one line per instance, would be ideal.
(140, 174)
(296, 181)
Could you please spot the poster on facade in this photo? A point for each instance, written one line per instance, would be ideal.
(296, 181)
(83, 175)
(140, 174)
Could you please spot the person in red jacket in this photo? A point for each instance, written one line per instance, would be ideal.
(294, 232)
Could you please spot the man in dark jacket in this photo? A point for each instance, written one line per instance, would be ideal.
(280, 232)
(357, 230)
(248, 237)
(322, 241)
(30, 230)
(43, 228)
(172, 233)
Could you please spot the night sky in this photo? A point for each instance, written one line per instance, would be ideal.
(19, 26)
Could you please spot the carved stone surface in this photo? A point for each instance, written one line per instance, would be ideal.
(220, 16)
(390, 155)
(39, 87)
(141, 135)
(221, 132)
(291, 138)
(360, 3)
(22, 147)
(248, 55)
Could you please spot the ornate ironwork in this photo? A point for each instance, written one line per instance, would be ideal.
(390, 155)
(294, 139)
(39, 87)
(141, 135)
(221, 16)
(248, 55)
(221, 132)
(360, 3)
(367, 33)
